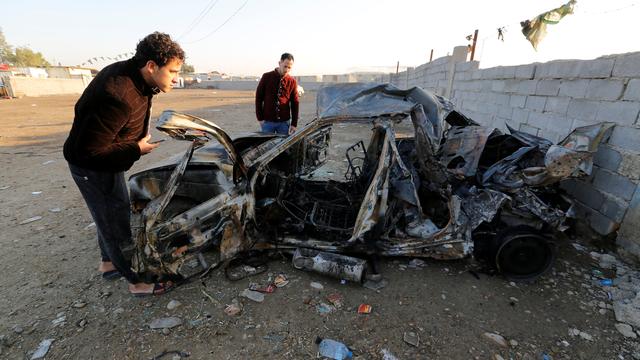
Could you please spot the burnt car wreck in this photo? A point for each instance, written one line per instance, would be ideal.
(430, 182)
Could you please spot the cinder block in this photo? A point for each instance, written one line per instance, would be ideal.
(574, 88)
(508, 72)
(630, 165)
(587, 194)
(557, 69)
(614, 208)
(520, 116)
(502, 99)
(627, 65)
(602, 224)
(527, 87)
(604, 89)
(607, 158)
(633, 90)
(517, 101)
(621, 112)
(538, 120)
(626, 137)
(559, 124)
(614, 184)
(500, 123)
(505, 112)
(511, 86)
(498, 85)
(584, 110)
(548, 87)
(551, 135)
(558, 105)
(536, 103)
(476, 74)
(529, 129)
(525, 71)
(594, 69)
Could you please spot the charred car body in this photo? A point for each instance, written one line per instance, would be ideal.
(447, 189)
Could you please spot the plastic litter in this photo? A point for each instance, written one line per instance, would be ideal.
(364, 309)
(606, 282)
(333, 349)
(31, 219)
(334, 265)
(42, 349)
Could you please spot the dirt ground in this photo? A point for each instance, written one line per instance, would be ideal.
(51, 288)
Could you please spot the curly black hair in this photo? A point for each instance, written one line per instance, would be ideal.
(157, 47)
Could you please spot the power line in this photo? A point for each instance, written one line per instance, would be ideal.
(221, 25)
(199, 18)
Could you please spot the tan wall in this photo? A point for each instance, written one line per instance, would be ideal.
(26, 86)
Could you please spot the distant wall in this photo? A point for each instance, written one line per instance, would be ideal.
(246, 85)
(550, 99)
(28, 86)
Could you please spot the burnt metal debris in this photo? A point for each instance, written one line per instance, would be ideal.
(448, 189)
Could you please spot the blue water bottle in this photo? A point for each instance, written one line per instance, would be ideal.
(333, 349)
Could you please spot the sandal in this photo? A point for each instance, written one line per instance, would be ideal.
(111, 275)
(158, 289)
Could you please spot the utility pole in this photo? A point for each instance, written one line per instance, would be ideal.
(431, 56)
(473, 46)
(397, 67)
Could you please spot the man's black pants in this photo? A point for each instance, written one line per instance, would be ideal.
(107, 198)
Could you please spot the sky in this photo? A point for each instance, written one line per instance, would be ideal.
(246, 37)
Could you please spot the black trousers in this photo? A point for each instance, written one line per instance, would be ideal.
(107, 198)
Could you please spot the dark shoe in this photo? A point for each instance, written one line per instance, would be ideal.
(111, 275)
(158, 289)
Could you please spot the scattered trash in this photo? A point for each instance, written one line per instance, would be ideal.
(335, 265)
(235, 308)
(497, 339)
(42, 349)
(31, 219)
(375, 285)
(417, 263)
(364, 309)
(266, 289)
(579, 247)
(333, 349)
(316, 285)
(55, 210)
(165, 323)
(90, 226)
(323, 308)
(17, 329)
(177, 354)
(48, 162)
(36, 192)
(252, 295)
(606, 282)
(343, 282)
(596, 272)
(336, 300)
(411, 338)
(4, 187)
(387, 355)
(545, 356)
(173, 304)
(59, 320)
(281, 280)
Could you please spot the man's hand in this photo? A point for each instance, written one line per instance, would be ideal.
(144, 145)
(292, 129)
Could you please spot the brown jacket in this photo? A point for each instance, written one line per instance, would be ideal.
(111, 116)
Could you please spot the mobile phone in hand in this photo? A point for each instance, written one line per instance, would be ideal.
(157, 141)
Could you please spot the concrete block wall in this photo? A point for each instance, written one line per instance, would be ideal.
(549, 100)
(18, 86)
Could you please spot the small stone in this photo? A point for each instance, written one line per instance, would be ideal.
(514, 299)
(42, 349)
(586, 336)
(626, 330)
(176, 357)
(17, 329)
(165, 323)
(78, 304)
(252, 295)
(564, 343)
(513, 343)
(497, 357)
(118, 311)
(235, 308)
(574, 332)
(602, 311)
(417, 263)
(316, 285)
(166, 331)
(173, 304)
(411, 338)
(497, 339)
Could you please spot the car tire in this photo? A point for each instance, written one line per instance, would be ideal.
(523, 253)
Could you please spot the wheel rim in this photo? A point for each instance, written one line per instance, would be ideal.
(524, 256)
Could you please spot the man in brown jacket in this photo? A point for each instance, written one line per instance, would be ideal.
(277, 99)
(109, 133)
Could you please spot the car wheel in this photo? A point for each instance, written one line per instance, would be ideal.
(523, 253)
